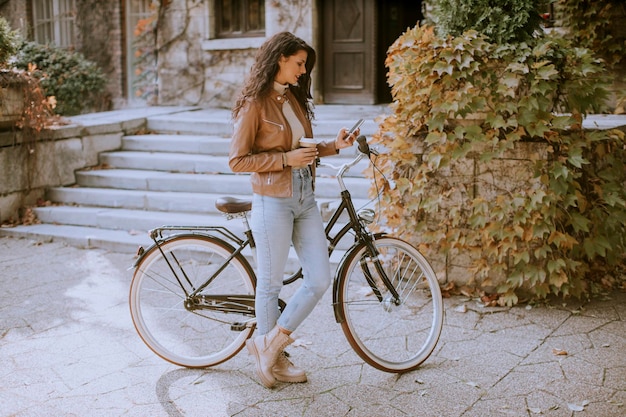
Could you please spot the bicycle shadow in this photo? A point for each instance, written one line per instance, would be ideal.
(163, 389)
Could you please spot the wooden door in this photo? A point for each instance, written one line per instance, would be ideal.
(348, 31)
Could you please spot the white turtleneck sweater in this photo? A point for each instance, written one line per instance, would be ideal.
(297, 130)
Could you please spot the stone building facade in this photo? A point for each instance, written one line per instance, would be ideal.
(191, 60)
(196, 62)
(197, 67)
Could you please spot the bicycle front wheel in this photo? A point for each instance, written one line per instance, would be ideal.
(391, 335)
(192, 331)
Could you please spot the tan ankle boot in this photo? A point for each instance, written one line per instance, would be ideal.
(265, 350)
(286, 371)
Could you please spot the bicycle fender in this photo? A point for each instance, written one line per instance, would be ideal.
(339, 318)
(142, 253)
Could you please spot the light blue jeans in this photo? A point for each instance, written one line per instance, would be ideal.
(276, 223)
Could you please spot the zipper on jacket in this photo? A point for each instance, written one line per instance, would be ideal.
(275, 124)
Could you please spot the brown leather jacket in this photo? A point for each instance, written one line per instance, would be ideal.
(260, 137)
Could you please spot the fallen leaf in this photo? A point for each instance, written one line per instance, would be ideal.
(301, 342)
(535, 410)
(558, 352)
(466, 291)
(461, 309)
(576, 407)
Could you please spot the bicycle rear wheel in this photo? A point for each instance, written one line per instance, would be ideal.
(192, 337)
(390, 336)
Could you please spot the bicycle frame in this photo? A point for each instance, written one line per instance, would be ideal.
(245, 304)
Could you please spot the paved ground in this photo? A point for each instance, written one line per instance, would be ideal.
(68, 348)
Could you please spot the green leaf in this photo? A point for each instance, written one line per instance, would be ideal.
(547, 72)
(436, 137)
(580, 222)
(542, 252)
(576, 158)
(521, 256)
(496, 121)
(555, 265)
(443, 68)
(434, 160)
(559, 171)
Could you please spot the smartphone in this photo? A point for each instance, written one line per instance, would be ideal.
(356, 126)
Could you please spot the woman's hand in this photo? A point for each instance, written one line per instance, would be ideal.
(301, 156)
(344, 140)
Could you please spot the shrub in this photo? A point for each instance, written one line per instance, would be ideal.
(76, 82)
(561, 232)
(594, 25)
(502, 21)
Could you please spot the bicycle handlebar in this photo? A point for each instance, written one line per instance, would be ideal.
(364, 150)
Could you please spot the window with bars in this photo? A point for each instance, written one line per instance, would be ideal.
(240, 18)
(54, 22)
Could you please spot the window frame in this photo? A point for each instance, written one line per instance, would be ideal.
(54, 22)
(243, 7)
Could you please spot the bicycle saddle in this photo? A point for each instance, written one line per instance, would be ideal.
(232, 205)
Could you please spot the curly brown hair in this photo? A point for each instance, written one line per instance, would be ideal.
(261, 78)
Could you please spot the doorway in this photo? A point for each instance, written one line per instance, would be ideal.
(355, 37)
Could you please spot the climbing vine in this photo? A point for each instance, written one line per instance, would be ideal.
(460, 105)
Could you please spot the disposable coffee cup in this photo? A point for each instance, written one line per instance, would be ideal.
(307, 143)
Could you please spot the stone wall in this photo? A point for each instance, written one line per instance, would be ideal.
(16, 13)
(99, 37)
(196, 68)
(473, 178)
(27, 170)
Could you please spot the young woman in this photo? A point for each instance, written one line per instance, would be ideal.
(272, 113)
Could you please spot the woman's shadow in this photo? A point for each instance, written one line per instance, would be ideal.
(169, 379)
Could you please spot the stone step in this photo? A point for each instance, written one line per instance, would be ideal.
(138, 179)
(201, 163)
(120, 241)
(223, 184)
(166, 201)
(195, 144)
(82, 237)
(174, 174)
(187, 143)
(133, 221)
(140, 222)
(328, 120)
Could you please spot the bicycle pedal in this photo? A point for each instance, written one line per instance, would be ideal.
(238, 327)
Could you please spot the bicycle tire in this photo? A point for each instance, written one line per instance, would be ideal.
(193, 339)
(392, 338)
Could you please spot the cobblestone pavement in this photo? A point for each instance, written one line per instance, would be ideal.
(68, 348)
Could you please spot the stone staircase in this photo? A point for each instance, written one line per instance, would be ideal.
(172, 176)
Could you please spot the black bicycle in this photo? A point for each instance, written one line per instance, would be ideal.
(192, 292)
